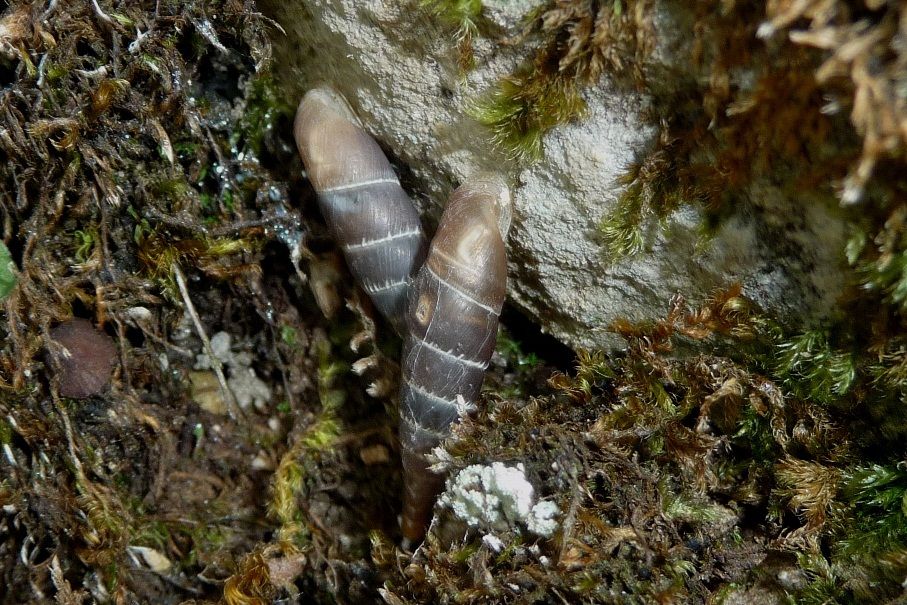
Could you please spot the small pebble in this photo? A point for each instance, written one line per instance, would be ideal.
(85, 359)
(206, 392)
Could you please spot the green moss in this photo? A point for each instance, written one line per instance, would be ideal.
(579, 41)
(464, 19)
(6, 433)
(56, 72)
(655, 187)
(811, 366)
(85, 242)
(315, 442)
(823, 586)
(866, 541)
(878, 494)
(512, 350)
(685, 507)
(462, 14)
(7, 272)
(521, 109)
(850, 366)
(206, 540)
(883, 267)
(265, 106)
(622, 228)
(523, 368)
(288, 335)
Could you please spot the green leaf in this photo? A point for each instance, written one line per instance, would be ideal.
(7, 272)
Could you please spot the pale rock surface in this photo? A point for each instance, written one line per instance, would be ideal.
(398, 69)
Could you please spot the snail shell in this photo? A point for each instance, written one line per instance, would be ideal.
(452, 324)
(366, 209)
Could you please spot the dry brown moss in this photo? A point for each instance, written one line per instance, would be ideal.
(864, 61)
(118, 163)
(776, 84)
(691, 479)
(578, 42)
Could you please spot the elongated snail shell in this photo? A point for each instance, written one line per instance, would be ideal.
(452, 324)
(369, 214)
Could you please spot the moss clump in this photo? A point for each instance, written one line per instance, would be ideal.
(638, 491)
(464, 19)
(462, 14)
(523, 108)
(118, 121)
(265, 106)
(882, 262)
(776, 87)
(159, 252)
(655, 187)
(766, 93)
(461, 20)
(691, 479)
(851, 41)
(580, 40)
(315, 441)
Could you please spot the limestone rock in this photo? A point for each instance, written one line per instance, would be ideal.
(398, 69)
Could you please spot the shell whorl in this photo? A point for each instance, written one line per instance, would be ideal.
(452, 323)
(366, 209)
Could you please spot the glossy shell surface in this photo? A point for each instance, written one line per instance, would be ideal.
(452, 322)
(366, 209)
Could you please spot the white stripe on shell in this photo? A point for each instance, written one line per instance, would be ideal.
(461, 292)
(451, 355)
(366, 243)
(359, 185)
(428, 394)
(450, 260)
(416, 426)
(375, 288)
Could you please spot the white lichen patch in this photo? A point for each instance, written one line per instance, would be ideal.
(245, 384)
(248, 388)
(493, 543)
(220, 347)
(498, 497)
(543, 520)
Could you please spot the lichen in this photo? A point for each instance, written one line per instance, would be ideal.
(496, 497)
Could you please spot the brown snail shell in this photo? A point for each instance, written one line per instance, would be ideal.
(368, 212)
(452, 323)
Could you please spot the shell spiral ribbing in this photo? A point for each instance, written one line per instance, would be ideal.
(367, 210)
(452, 322)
